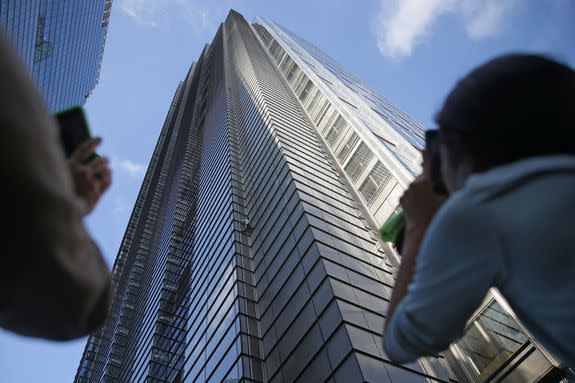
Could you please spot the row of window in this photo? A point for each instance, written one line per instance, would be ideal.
(331, 124)
(285, 326)
(408, 128)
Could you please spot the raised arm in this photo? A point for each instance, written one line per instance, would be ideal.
(458, 262)
(53, 281)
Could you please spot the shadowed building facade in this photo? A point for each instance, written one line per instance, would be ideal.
(61, 43)
(252, 252)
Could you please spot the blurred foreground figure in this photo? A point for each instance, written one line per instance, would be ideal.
(54, 282)
(507, 152)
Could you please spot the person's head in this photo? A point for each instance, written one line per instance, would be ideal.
(511, 108)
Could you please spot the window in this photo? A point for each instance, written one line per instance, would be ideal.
(286, 64)
(306, 91)
(266, 37)
(314, 100)
(335, 131)
(280, 57)
(300, 83)
(489, 341)
(292, 73)
(358, 161)
(322, 115)
(376, 180)
(380, 174)
(318, 112)
(274, 48)
(347, 147)
(368, 189)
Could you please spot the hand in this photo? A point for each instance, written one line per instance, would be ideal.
(91, 179)
(420, 203)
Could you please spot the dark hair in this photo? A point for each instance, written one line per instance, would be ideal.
(513, 107)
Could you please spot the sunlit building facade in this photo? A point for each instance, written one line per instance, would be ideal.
(252, 253)
(61, 42)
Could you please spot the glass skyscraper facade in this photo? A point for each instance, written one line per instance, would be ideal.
(252, 252)
(61, 42)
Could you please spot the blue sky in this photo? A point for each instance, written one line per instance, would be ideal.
(411, 51)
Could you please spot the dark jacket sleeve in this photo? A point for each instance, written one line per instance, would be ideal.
(54, 282)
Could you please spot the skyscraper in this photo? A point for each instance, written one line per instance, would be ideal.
(61, 42)
(252, 252)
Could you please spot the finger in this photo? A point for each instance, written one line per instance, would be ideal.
(85, 150)
(98, 165)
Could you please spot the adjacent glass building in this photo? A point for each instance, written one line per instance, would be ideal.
(252, 252)
(61, 42)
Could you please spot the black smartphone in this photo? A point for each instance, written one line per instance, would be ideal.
(432, 149)
(73, 130)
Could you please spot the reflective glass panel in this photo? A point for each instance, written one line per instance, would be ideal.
(490, 341)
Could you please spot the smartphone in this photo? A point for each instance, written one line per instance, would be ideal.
(432, 149)
(73, 130)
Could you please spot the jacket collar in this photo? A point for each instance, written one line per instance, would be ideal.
(503, 178)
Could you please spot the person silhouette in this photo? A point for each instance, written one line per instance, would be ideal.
(507, 148)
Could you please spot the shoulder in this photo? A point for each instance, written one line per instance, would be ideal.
(463, 212)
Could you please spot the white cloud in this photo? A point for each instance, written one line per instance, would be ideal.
(485, 18)
(402, 24)
(145, 12)
(132, 169)
(197, 16)
(152, 13)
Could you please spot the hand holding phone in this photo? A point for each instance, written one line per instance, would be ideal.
(90, 172)
(91, 177)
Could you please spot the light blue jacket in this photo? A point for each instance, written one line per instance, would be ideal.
(512, 227)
